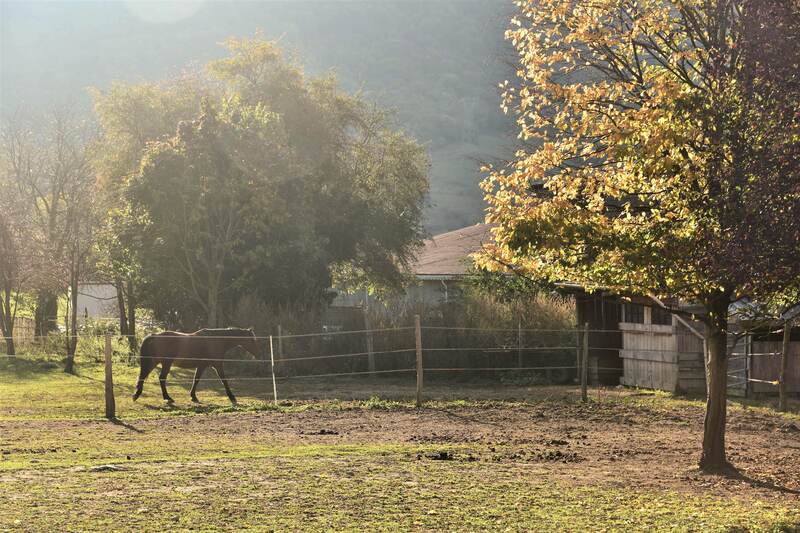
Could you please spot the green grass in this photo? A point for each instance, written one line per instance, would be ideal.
(189, 467)
(356, 488)
(39, 389)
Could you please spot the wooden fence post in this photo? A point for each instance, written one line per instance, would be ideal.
(111, 407)
(368, 334)
(578, 353)
(784, 374)
(272, 367)
(585, 363)
(519, 342)
(418, 342)
(280, 346)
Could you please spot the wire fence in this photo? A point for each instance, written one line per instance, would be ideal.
(413, 356)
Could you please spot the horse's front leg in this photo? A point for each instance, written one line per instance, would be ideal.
(146, 368)
(221, 373)
(162, 378)
(197, 373)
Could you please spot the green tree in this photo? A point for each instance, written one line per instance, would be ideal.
(200, 195)
(661, 158)
(130, 117)
(366, 180)
(295, 183)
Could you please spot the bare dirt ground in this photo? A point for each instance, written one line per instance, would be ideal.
(603, 443)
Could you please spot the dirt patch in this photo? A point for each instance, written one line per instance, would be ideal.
(613, 443)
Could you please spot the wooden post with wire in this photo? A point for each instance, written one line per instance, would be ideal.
(585, 364)
(578, 353)
(519, 342)
(368, 334)
(784, 373)
(272, 367)
(418, 343)
(111, 408)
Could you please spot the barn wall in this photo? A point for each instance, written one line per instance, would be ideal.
(602, 313)
(691, 363)
(662, 357)
(767, 367)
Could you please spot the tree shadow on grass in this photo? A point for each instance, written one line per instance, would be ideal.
(23, 368)
(734, 474)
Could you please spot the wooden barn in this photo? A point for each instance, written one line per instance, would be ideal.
(637, 343)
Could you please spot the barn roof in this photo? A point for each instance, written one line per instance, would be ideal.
(447, 255)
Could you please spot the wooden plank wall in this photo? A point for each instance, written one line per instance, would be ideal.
(767, 367)
(691, 363)
(667, 358)
(650, 357)
(24, 330)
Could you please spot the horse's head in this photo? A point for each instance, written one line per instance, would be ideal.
(249, 342)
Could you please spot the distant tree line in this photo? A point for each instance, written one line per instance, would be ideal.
(245, 179)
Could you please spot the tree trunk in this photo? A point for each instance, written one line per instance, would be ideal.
(132, 344)
(46, 312)
(784, 374)
(7, 316)
(11, 350)
(123, 316)
(713, 458)
(72, 332)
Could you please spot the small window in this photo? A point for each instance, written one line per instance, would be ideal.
(633, 313)
(660, 316)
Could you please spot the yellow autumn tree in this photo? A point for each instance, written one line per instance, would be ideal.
(660, 157)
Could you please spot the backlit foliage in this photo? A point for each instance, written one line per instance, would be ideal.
(661, 147)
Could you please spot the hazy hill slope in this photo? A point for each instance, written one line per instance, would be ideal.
(436, 62)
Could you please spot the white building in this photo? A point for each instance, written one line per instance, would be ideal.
(97, 301)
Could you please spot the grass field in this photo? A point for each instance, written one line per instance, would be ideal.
(333, 456)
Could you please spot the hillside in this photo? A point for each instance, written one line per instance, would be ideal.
(436, 63)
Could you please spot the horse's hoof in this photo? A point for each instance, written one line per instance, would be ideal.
(195, 400)
(135, 397)
(169, 400)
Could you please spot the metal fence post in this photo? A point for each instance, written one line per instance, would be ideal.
(109, 381)
(418, 343)
(585, 364)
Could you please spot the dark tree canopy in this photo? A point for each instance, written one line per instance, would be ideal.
(280, 186)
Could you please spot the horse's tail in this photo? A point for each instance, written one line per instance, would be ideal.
(147, 362)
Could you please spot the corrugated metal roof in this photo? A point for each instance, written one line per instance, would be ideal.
(447, 254)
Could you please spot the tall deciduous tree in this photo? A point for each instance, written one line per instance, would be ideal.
(200, 194)
(16, 256)
(322, 186)
(131, 116)
(46, 159)
(662, 157)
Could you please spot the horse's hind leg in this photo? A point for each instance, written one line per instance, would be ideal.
(221, 373)
(197, 373)
(162, 378)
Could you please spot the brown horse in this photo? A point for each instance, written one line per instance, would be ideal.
(198, 350)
